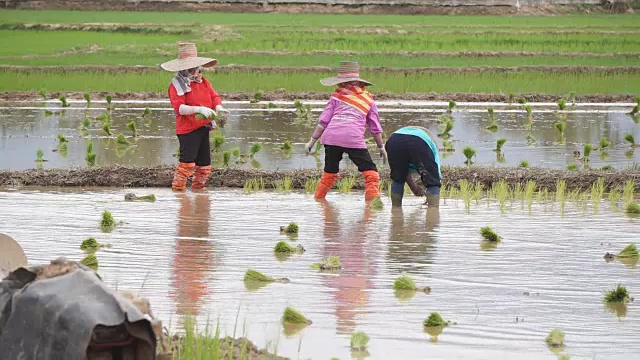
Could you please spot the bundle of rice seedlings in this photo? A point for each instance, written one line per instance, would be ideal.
(522, 100)
(452, 104)
(435, 320)
(217, 140)
(524, 164)
(87, 98)
(489, 235)
(146, 112)
(617, 295)
(134, 197)
(406, 283)
(107, 130)
(257, 97)
(272, 106)
(91, 159)
(359, 341)
(493, 127)
(255, 148)
(283, 247)
(62, 139)
(286, 146)
(64, 102)
(629, 252)
(134, 129)
(39, 155)
(107, 223)
(235, 152)
(377, 204)
(122, 140)
(586, 151)
(604, 143)
(562, 104)
(226, 158)
(252, 275)
(555, 338)
(469, 153)
(291, 316)
(632, 208)
(90, 261)
(332, 263)
(572, 167)
(499, 144)
(292, 228)
(90, 245)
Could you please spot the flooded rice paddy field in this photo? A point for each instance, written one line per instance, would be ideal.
(188, 254)
(25, 128)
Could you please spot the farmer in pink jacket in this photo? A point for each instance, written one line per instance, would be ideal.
(342, 126)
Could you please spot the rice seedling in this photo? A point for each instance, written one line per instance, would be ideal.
(255, 148)
(91, 159)
(527, 108)
(512, 97)
(272, 106)
(529, 190)
(630, 251)
(469, 153)
(236, 152)
(489, 235)
(376, 204)
(286, 146)
(310, 185)
(217, 140)
(331, 263)
(572, 97)
(561, 126)
(447, 146)
(107, 129)
(345, 184)
(530, 139)
(406, 283)
(109, 98)
(632, 208)
(562, 104)
(499, 144)
(257, 97)
(452, 104)
(122, 140)
(435, 320)
(107, 223)
(466, 193)
(292, 228)
(87, 98)
(604, 143)
(146, 112)
(493, 127)
(40, 156)
(134, 197)
(86, 123)
(524, 164)
(43, 94)
(586, 152)
(634, 111)
(62, 139)
(90, 245)
(446, 129)
(104, 117)
(132, 126)
(253, 276)
(500, 189)
(292, 316)
(359, 341)
(555, 338)
(283, 247)
(64, 102)
(522, 101)
(572, 167)
(618, 295)
(491, 114)
(226, 158)
(614, 197)
(631, 140)
(628, 191)
(90, 261)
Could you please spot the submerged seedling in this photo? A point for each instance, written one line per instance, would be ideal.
(62, 139)
(107, 224)
(555, 338)
(90, 245)
(619, 295)
(257, 97)
(469, 153)
(604, 143)
(134, 129)
(292, 228)
(489, 235)
(448, 146)
(90, 261)
(406, 283)
(452, 104)
(631, 140)
(109, 98)
(146, 112)
(134, 197)
(283, 247)
(286, 146)
(332, 263)
(522, 100)
(530, 139)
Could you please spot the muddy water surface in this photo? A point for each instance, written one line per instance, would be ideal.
(24, 128)
(188, 254)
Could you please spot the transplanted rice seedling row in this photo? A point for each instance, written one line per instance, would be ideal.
(559, 83)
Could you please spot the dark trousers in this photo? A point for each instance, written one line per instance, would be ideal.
(360, 157)
(195, 147)
(404, 150)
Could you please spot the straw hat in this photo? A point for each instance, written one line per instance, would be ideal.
(187, 59)
(11, 255)
(348, 71)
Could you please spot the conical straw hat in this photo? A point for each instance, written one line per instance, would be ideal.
(11, 255)
(348, 71)
(187, 59)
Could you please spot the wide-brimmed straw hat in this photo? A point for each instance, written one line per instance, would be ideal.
(348, 71)
(187, 59)
(11, 255)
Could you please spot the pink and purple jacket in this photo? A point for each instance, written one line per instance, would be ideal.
(345, 126)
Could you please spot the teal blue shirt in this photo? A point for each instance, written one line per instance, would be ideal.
(422, 135)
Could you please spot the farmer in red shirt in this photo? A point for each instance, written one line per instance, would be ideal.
(191, 94)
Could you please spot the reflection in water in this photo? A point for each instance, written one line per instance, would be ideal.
(351, 286)
(412, 242)
(194, 257)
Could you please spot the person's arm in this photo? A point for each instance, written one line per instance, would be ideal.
(181, 108)
(323, 122)
(416, 189)
(375, 128)
(217, 101)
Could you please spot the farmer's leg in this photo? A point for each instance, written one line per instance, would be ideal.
(189, 144)
(398, 157)
(332, 157)
(367, 167)
(203, 161)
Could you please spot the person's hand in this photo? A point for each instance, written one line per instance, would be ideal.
(383, 155)
(206, 112)
(309, 146)
(419, 191)
(222, 109)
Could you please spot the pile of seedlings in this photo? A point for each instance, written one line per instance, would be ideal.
(292, 228)
(405, 285)
(358, 344)
(107, 224)
(434, 325)
(91, 245)
(619, 295)
(282, 248)
(134, 197)
(555, 339)
(489, 235)
(331, 263)
(90, 261)
(293, 321)
(254, 280)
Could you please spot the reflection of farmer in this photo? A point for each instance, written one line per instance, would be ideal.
(190, 94)
(194, 253)
(412, 242)
(342, 126)
(351, 287)
(410, 150)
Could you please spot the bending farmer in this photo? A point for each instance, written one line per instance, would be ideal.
(411, 150)
(342, 126)
(191, 95)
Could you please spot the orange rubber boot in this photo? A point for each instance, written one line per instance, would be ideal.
(326, 183)
(180, 176)
(371, 180)
(200, 177)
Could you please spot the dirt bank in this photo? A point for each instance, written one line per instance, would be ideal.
(9, 96)
(118, 176)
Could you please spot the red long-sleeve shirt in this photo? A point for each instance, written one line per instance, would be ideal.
(201, 94)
